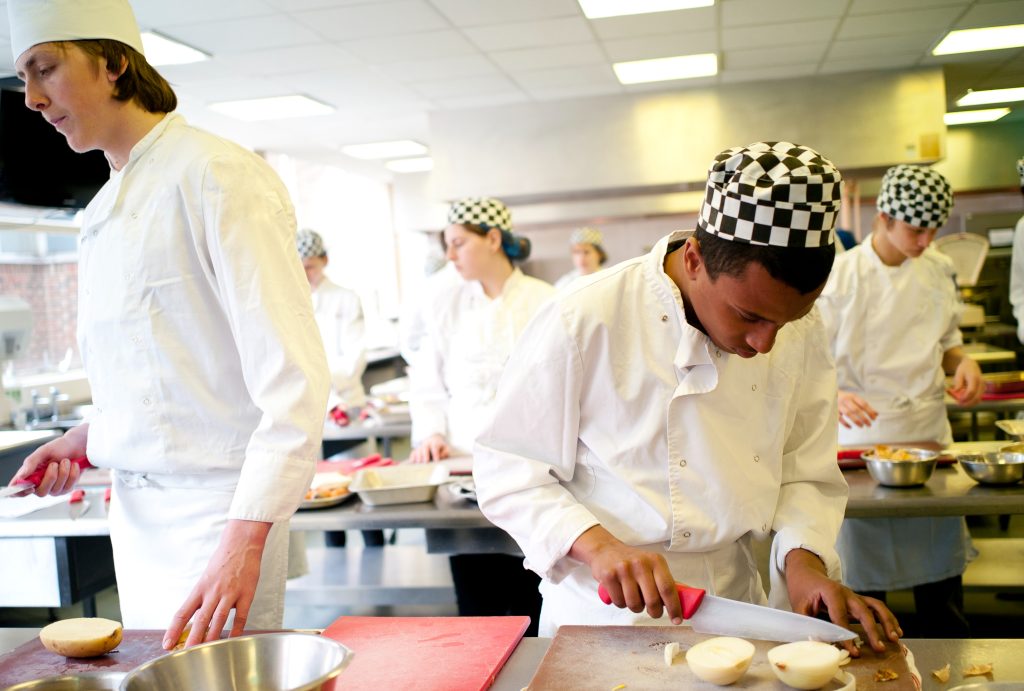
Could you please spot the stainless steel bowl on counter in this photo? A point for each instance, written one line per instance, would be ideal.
(287, 661)
(997, 468)
(903, 473)
(89, 681)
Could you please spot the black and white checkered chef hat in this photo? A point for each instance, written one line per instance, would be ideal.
(586, 236)
(772, 193)
(310, 244)
(915, 195)
(481, 211)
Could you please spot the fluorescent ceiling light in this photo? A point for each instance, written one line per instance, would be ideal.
(663, 69)
(598, 9)
(973, 40)
(981, 98)
(273, 108)
(966, 117)
(161, 50)
(411, 165)
(377, 150)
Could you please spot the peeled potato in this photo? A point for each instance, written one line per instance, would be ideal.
(805, 664)
(671, 651)
(720, 660)
(81, 637)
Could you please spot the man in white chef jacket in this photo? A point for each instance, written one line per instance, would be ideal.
(196, 329)
(1017, 265)
(658, 417)
(892, 315)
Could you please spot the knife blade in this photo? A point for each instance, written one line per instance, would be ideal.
(30, 482)
(723, 617)
(77, 504)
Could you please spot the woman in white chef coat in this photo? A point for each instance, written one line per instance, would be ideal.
(471, 330)
(1017, 265)
(588, 255)
(655, 420)
(892, 313)
(195, 327)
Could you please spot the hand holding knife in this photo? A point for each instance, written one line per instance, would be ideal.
(33, 480)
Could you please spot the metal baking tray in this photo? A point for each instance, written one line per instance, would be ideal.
(406, 483)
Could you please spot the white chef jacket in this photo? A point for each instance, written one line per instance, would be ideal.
(197, 334)
(1017, 278)
(469, 339)
(613, 410)
(567, 278)
(419, 308)
(339, 315)
(889, 327)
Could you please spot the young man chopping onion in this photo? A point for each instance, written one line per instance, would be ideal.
(195, 327)
(681, 405)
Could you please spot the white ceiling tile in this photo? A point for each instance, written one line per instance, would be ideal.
(993, 14)
(626, 49)
(682, 21)
(870, 62)
(587, 75)
(423, 46)
(156, 13)
(549, 32)
(244, 34)
(876, 6)
(767, 57)
(740, 37)
(488, 101)
(313, 56)
(215, 90)
(927, 22)
(346, 87)
(761, 12)
(373, 19)
(412, 71)
(873, 47)
(543, 58)
(566, 92)
(768, 73)
(478, 12)
(301, 5)
(472, 86)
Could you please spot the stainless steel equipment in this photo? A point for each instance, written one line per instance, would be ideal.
(88, 681)
(904, 473)
(998, 468)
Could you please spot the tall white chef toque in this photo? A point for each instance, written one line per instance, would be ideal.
(915, 195)
(772, 194)
(43, 21)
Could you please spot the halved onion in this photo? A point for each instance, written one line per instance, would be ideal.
(805, 664)
(720, 660)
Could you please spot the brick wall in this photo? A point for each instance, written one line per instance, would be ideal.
(51, 289)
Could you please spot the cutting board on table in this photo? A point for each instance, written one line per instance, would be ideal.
(603, 657)
(32, 661)
(425, 653)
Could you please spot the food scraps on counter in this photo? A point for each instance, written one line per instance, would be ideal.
(671, 653)
(942, 674)
(978, 670)
(885, 674)
(81, 637)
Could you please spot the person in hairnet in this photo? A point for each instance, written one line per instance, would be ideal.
(471, 330)
(195, 327)
(655, 420)
(1017, 265)
(588, 255)
(891, 312)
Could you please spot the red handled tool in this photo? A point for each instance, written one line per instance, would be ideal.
(36, 477)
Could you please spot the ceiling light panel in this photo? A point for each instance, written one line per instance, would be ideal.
(161, 50)
(973, 40)
(664, 69)
(966, 117)
(983, 98)
(402, 148)
(272, 108)
(600, 9)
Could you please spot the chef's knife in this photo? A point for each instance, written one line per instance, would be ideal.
(35, 478)
(723, 617)
(77, 504)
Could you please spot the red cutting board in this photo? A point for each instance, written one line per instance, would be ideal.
(425, 653)
(32, 661)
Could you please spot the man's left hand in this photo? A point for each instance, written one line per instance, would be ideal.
(229, 583)
(811, 592)
(968, 386)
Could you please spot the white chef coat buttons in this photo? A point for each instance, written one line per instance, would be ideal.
(134, 215)
(753, 387)
(764, 528)
(664, 317)
(686, 534)
(682, 463)
(146, 401)
(718, 353)
(136, 340)
(757, 459)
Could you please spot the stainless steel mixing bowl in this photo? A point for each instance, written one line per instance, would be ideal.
(265, 662)
(998, 468)
(89, 681)
(908, 473)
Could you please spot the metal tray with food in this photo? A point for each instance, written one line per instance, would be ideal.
(406, 483)
(327, 490)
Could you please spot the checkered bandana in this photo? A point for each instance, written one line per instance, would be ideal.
(772, 193)
(915, 195)
(586, 236)
(310, 244)
(1020, 170)
(481, 211)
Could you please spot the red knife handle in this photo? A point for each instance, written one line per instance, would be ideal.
(689, 598)
(37, 476)
(77, 496)
(106, 494)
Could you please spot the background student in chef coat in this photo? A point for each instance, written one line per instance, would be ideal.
(1017, 265)
(588, 255)
(195, 327)
(470, 333)
(655, 420)
(892, 314)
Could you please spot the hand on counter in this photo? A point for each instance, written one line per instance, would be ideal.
(633, 577)
(229, 583)
(433, 448)
(61, 476)
(855, 411)
(812, 592)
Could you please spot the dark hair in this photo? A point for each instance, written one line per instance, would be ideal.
(804, 269)
(139, 82)
(516, 247)
(602, 256)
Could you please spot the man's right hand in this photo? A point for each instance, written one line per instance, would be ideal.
(61, 475)
(433, 448)
(634, 578)
(855, 411)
